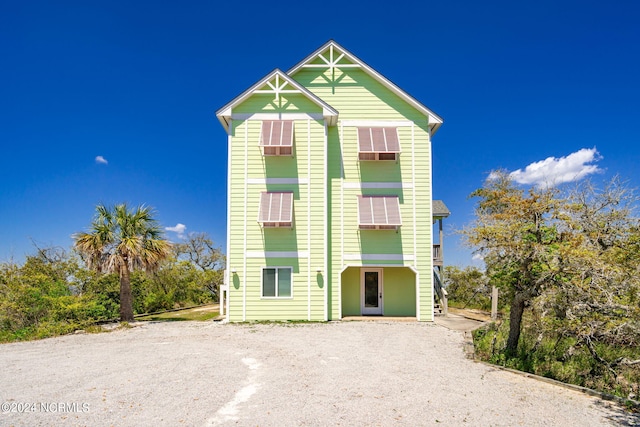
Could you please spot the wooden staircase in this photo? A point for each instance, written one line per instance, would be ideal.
(440, 307)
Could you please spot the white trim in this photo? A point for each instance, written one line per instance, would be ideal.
(376, 185)
(246, 195)
(277, 116)
(276, 254)
(433, 119)
(417, 273)
(226, 112)
(341, 200)
(327, 274)
(379, 257)
(377, 123)
(275, 267)
(430, 258)
(377, 264)
(278, 181)
(380, 307)
(414, 198)
(417, 295)
(340, 294)
(229, 143)
(309, 220)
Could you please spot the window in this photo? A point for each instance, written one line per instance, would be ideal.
(276, 138)
(276, 209)
(379, 212)
(378, 143)
(276, 282)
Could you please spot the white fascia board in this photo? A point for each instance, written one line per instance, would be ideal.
(277, 254)
(278, 181)
(434, 120)
(378, 123)
(376, 185)
(224, 113)
(379, 257)
(277, 116)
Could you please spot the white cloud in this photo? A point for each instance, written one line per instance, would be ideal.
(178, 229)
(101, 160)
(553, 171)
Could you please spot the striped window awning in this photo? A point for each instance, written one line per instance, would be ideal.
(276, 137)
(378, 140)
(379, 212)
(276, 209)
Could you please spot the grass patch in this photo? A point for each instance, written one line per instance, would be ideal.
(194, 314)
(559, 357)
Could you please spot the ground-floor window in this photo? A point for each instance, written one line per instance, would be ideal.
(276, 282)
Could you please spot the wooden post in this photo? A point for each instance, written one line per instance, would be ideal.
(494, 303)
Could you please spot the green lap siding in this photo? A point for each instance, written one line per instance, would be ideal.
(351, 292)
(249, 175)
(399, 292)
(325, 246)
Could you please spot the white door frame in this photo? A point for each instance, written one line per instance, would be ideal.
(372, 310)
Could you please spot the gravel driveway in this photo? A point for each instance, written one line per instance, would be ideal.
(334, 374)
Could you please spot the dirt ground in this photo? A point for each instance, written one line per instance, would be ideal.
(326, 374)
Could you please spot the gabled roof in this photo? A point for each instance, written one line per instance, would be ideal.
(440, 210)
(276, 82)
(332, 55)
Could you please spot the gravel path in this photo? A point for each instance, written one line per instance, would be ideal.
(335, 374)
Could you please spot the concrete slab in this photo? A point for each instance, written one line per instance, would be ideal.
(456, 322)
(378, 319)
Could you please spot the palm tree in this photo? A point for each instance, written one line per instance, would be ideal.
(121, 241)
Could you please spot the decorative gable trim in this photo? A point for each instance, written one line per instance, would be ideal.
(332, 55)
(277, 83)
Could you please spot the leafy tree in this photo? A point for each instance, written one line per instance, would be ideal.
(39, 298)
(467, 287)
(599, 300)
(200, 251)
(517, 235)
(121, 240)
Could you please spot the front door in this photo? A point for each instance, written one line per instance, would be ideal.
(371, 291)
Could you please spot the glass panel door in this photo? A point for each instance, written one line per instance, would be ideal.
(371, 291)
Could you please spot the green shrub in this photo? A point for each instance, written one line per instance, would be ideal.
(562, 358)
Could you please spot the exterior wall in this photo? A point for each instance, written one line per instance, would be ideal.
(351, 292)
(399, 292)
(361, 99)
(325, 247)
(253, 247)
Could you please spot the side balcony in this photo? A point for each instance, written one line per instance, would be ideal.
(438, 260)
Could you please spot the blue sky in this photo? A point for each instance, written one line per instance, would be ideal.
(110, 102)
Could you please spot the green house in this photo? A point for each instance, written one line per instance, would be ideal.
(330, 210)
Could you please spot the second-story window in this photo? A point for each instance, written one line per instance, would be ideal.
(276, 138)
(378, 143)
(276, 209)
(379, 212)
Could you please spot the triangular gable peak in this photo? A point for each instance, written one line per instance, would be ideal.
(332, 56)
(279, 84)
